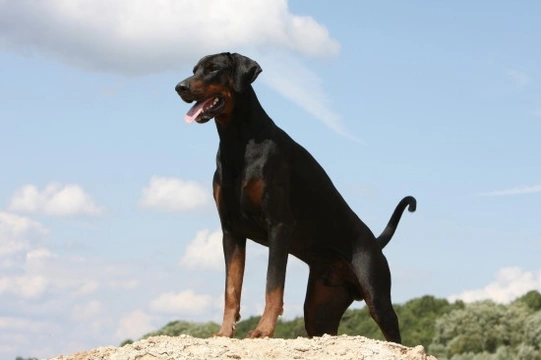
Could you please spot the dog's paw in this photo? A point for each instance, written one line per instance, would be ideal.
(259, 334)
(226, 332)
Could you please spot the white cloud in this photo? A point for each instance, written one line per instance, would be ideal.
(16, 225)
(79, 299)
(17, 249)
(27, 286)
(204, 251)
(38, 254)
(509, 284)
(184, 302)
(54, 199)
(134, 325)
(140, 37)
(172, 194)
(120, 37)
(15, 232)
(515, 191)
(10, 246)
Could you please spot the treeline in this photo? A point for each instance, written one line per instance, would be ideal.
(450, 331)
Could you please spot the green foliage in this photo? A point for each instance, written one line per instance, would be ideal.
(450, 331)
(522, 352)
(486, 330)
(245, 326)
(417, 319)
(532, 331)
(176, 328)
(528, 352)
(126, 342)
(531, 299)
(291, 329)
(359, 322)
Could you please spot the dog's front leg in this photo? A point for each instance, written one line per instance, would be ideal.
(235, 258)
(279, 238)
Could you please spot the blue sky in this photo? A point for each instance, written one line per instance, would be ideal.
(107, 229)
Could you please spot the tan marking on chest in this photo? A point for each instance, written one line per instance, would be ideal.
(254, 190)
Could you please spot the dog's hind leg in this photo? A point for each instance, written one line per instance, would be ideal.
(374, 276)
(324, 306)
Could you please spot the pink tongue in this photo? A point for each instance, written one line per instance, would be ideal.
(194, 112)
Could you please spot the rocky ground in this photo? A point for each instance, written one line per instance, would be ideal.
(189, 348)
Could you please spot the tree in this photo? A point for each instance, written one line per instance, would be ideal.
(532, 331)
(479, 327)
(532, 299)
(359, 322)
(288, 329)
(417, 320)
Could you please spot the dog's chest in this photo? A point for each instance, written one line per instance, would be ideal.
(240, 208)
(244, 178)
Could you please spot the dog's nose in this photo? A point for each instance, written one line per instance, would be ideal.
(181, 87)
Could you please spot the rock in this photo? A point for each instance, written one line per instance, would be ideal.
(318, 348)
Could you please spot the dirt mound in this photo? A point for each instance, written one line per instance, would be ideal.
(188, 348)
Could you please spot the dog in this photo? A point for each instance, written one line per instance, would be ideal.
(269, 189)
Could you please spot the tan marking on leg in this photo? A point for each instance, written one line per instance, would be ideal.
(274, 307)
(233, 290)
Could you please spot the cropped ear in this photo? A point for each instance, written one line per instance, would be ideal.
(245, 72)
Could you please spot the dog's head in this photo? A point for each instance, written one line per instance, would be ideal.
(215, 81)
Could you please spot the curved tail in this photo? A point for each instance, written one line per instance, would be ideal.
(388, 233)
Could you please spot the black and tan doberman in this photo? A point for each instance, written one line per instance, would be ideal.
(269, 189)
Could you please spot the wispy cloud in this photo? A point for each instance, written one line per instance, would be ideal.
(293, 80)
(509, 283)
(514, 191)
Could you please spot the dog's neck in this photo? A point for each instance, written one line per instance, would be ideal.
(247, 123)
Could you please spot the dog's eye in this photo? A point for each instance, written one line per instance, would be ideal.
(212, 68)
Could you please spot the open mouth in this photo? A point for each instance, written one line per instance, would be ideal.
(205, 110)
